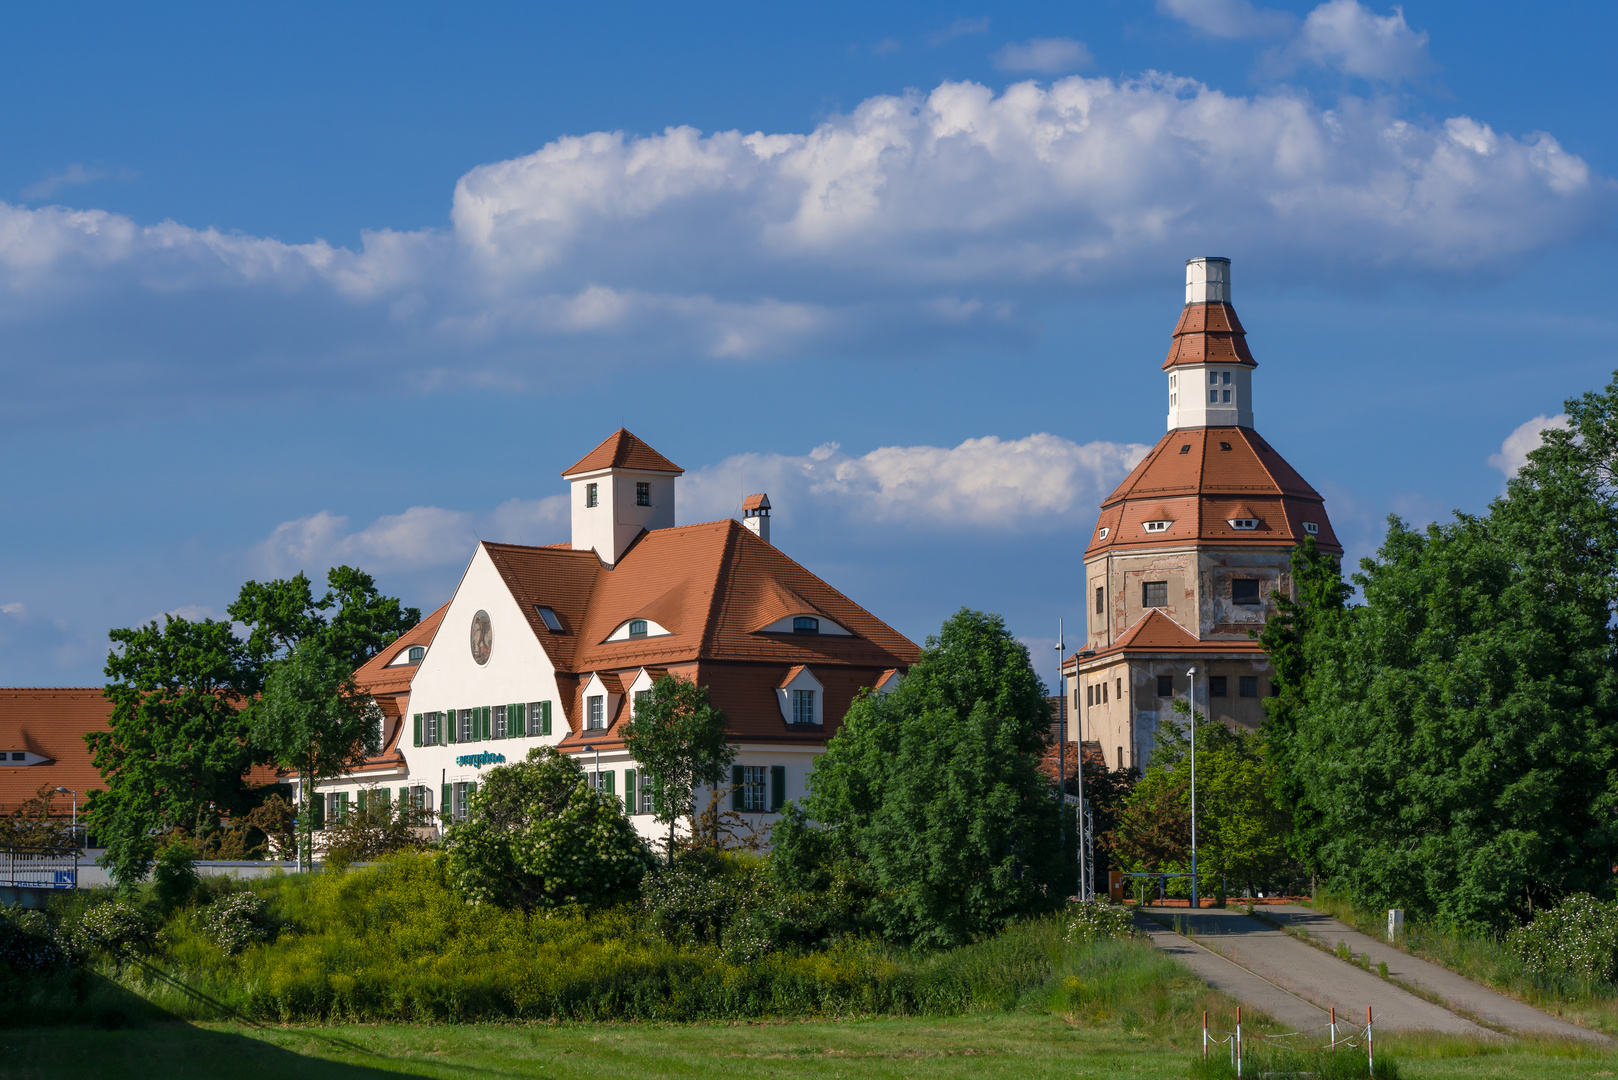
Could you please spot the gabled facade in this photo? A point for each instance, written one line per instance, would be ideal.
(551, 646)
(1189, 549)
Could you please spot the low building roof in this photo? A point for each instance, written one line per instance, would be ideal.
(1157, 633)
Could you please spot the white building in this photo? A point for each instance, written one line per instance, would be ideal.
(551, 646)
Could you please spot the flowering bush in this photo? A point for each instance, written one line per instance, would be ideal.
(28, 943)
(235, 922)
(118, 929)
(1578, 937)
(1098, 919)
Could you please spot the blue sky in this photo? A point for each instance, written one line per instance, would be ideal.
(283, 286)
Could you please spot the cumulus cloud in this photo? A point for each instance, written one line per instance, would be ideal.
(926, 220)
(16, 609)
(1347, 36)
(1048, 56)
(1525, 440)
(984, 483)
(419, 538)
(1229, 18)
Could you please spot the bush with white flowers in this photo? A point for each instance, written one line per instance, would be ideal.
(1096, 919)
(1578, 938)
(235, 922)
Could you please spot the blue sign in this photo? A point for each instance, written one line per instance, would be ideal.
(65, 879)
(477, 761)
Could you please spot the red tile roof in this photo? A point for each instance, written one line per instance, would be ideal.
(756, 502)
(376, 676)
(1200, 478)
(622, 450)
(53, 723)
(1156, 632)
(1209, 334)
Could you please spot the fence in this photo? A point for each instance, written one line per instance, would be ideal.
(1341, 1036)
(31, 870)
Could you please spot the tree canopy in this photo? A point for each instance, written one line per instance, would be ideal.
(936, 790)
(1452, 740)
(683, 741)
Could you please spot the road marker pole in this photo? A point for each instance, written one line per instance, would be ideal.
(1370, 1053)
(1204, 1034)
(1334, 1027)
(1238, 1042)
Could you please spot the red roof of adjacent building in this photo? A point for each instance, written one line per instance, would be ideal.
(622, 450)
(381, 675)
(1199, 479)
(1209, 334)
(52, 723)
(1156, 632)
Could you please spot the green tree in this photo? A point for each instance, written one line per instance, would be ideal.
(537, 836)
(279, 614)
(315, 720)
(175, 752)
(937, 787)
(683, 741)
(1455, 733)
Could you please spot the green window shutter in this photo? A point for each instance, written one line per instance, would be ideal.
(514, 724)
(404, 797)
(544, 718)
(417, 741)
(736, 775)
(488, 721)
(361, 798)
(606, 782)
(382, 797)
(631, 793)
(471, 790)
(446, 808)
(454, 725)
(317, 811)
(342, 807)
(778, 786)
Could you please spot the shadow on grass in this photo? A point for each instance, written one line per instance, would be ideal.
(81, 1024)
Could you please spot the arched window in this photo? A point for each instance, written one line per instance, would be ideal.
(637, 628)
(416, 653)
(806, 624)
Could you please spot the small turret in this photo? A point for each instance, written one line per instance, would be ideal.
(756, 515)
(1209, 366)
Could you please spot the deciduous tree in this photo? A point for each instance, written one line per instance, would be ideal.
(683, 741)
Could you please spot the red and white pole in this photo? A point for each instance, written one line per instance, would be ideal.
(1238, 1042)
(1370, 1053)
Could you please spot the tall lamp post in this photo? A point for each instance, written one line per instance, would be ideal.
(75, 794)
(595, 784)
(1192, 693)
(1061, 735)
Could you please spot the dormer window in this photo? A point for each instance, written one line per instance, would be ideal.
(1243, 523)
(416, 653)
(548, 617)
(805, 624)
(1102, 535)
(592, 495)
(1158, 526)
(1312, 528)
(637, 628)
(596, 712)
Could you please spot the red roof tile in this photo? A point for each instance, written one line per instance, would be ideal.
(622, 450)
(379, 678)
(1156, 632)
(1209, 334)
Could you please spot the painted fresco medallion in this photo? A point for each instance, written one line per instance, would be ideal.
(482, 637)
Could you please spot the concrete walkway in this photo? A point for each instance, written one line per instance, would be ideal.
(1470, 997)
(1283, 1006)
(1304, 971)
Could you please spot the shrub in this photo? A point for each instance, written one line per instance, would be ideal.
(174, 877)
(29, 944)
(1098, 919)
(118, 929)
(1578, 937)
(235, 922)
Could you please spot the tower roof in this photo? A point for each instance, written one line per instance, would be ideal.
(1209, 333)
(1199, 480)
(622, 450)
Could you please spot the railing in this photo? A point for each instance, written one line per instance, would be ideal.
(32, 870)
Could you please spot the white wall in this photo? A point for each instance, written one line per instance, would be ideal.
(1189, 406)
(616, 519)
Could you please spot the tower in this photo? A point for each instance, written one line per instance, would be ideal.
(620, 489)
(1189, 549)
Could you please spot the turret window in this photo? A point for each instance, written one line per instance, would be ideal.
(592, 496)
(1154, 594)
(643, 494)
(1158, 526)
(1244, 591)
(1311, 528)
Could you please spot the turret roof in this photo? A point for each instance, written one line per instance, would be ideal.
(622, 450)
(1209, 333)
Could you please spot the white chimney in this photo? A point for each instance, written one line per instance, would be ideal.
(756, 515)
(1207, 280)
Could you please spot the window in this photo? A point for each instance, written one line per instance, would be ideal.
(416, 653)
(804, 624)
(592, 495)
(643, 494)
(499, 721)
(1226, 394)
(1102, 535)
(548, 617)
(1154, 594)
(803, 706)
(539, 718)
(597, 706)
(1101, 599)
(1275, 688)
(641, 698)
(462, 797)
(19, 755)
(1103, 688)
(1247, 685)
(1120, 689)
(468, 725)
(1213, 378)
(1186, 449)
(1311, 528)
(1158, 526)
(429, 729)
(1119, 759)
(1246, 524)
(645, 782)
(1165, 686)
(1244, 591)
(637, 627)
(1216, 686)
(1089, 695)
(1225, 446)
(753, 781)
(1224, 377)
(1213, 399)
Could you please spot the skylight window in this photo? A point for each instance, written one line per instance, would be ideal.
(1225, 446)
(552, 623)
(1186, 449)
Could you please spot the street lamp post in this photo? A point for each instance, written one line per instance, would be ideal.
(75, 794)
(1061, 737)
(589, 749)
(1192, 693)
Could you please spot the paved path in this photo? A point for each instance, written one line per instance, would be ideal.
(1466, 995)
(1306, 972)
(1285, 1007)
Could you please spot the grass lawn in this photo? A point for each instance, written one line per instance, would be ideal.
(1016, 1046)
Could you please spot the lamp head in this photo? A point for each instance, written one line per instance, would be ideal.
(587, 748)
(1192, 672)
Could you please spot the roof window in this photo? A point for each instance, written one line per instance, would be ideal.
(1186, 449)
(806, 624)
(1224, 446)
(1244, 523)
(1158, 526)
(416, 653)
(637, 628)
(1102, 535)
(552, 623)
(1312, 528)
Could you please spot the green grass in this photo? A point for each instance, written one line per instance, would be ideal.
(1485, 958)
(1017, 1046)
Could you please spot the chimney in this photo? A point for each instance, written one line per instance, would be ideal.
(1207, 280)
(756, 515)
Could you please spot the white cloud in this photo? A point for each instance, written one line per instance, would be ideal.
(1523, 441)
(73, 174)
(959, 28)
(16, 609)
(1347, 36)
(925, 219)
(418, 538)
(1048, 56)
(987, 483)
(1229, 18)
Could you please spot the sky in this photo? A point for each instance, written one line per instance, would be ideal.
(288, 286)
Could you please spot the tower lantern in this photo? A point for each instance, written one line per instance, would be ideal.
(1209, 367)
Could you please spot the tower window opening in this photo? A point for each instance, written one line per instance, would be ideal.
(643, 494)
(1311, 528)
(1101, 595)
(1244, 591)
(1154, 594)
(592, 495)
